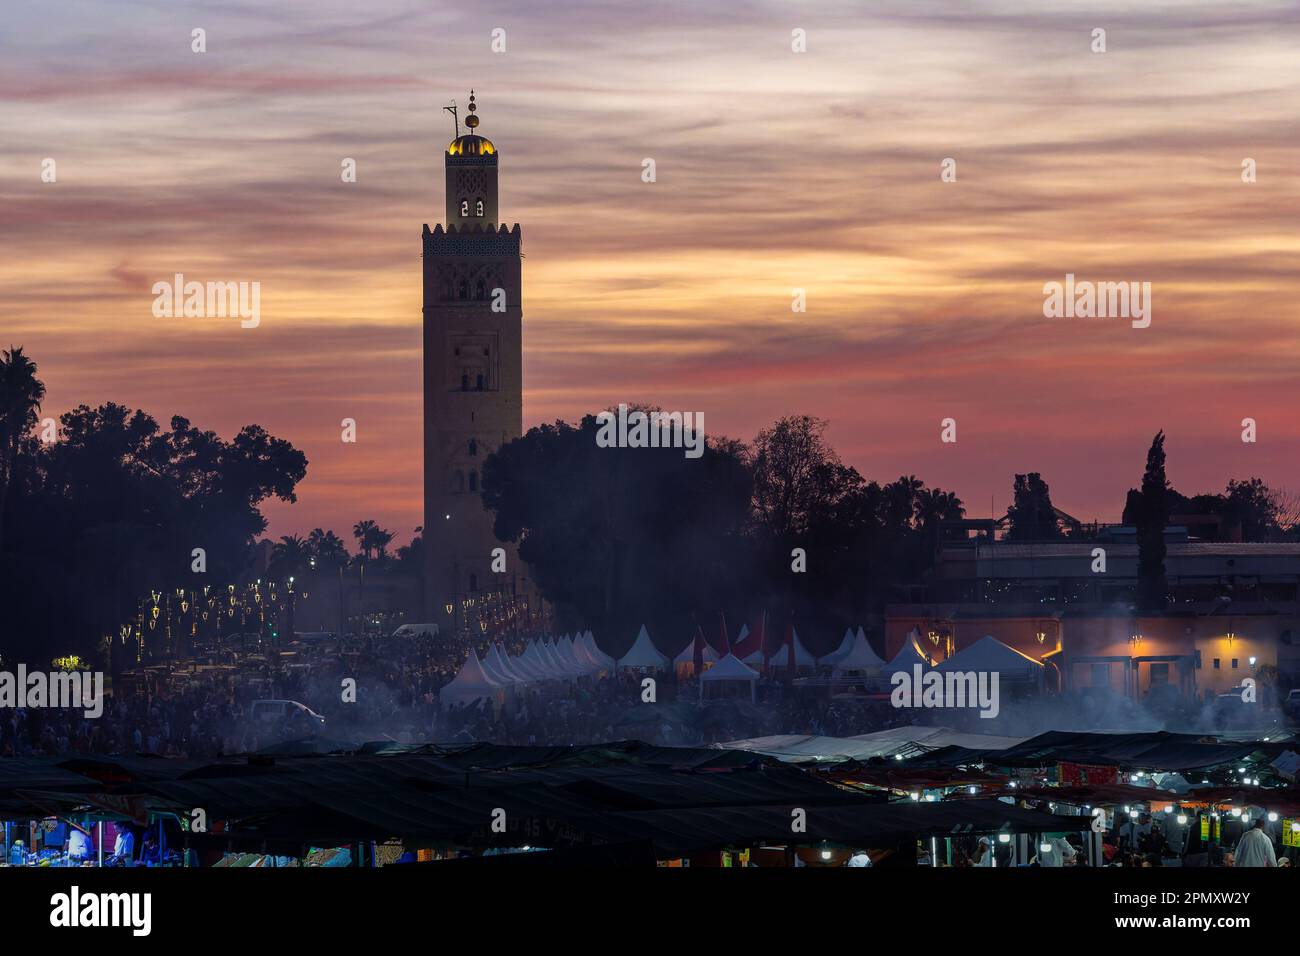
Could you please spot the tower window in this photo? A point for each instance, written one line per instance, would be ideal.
(479, 386)
(473, 481)
(464, 289)
(464, 383)
(473, 447)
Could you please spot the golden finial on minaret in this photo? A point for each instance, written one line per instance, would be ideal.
(471, 121)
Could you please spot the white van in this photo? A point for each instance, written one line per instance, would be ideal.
(416, 630)
(285, 713)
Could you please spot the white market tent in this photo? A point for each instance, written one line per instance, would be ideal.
(860, 660)
(988, 654)
(471, 684)
(569, 652)
(802, 657)
(554, 653)
(908, 655)
(498, 670)
(513, 666)
(846, 645)
(535, 659)
(729, 668)
(643, 653)
(582, 651)
(595, 653)
(527, 666)
(687, 657)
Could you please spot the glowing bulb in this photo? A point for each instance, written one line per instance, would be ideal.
(1182, 819)
(1006, 837)
(1272, 817)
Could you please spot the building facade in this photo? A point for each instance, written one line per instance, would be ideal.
(1232, 613)
(473, 383)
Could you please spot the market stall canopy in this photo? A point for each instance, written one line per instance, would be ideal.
(860, 658)
(643, 653)
(989, 655)
(470, 684)
(729, 667)
(687, 656)
(594, 650)
(908, 655)
(802, 657)
(890, 743)
(846, 645)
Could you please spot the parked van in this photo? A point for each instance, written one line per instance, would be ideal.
(286, 715)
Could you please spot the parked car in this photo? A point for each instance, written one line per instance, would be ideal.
(416, 630)
(1291, 705)
(288, 716)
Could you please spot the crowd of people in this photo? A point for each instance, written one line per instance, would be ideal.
(202, 707)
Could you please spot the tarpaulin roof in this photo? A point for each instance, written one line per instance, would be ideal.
(1159, 750)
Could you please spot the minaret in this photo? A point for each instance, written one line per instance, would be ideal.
(473, 379)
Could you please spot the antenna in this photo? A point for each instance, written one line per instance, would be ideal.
(454, 115)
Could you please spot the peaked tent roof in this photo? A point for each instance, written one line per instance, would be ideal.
(643, 653)
(802, 657)
(538, 660)
(687, 656)
(860, 656)
(497, 669)
(990, 654)
(910, 653)
(470, 683)
(730, 667)
(597, 654)
(846, 645)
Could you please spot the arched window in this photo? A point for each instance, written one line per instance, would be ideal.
(464, 382)
(479, 208)
(479, 386)
(473, 447)
(473, 582)
(473, 481)
(464, 208)
(464, 289)
(481, 292)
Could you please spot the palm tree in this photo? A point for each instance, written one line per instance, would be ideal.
(329, 550)
(21, 393)
(364, 532)
(289, 557)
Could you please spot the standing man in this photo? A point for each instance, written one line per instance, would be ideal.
(1255, 848)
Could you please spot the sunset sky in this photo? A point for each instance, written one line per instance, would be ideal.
(776, 170)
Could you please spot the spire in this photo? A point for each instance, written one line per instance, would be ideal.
(471, 121)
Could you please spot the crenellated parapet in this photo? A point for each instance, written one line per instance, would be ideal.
(472, 240)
